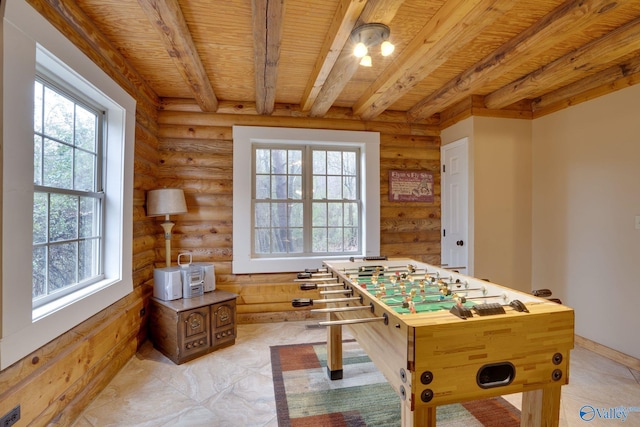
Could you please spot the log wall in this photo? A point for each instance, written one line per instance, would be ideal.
(54, 384)
(196, 154)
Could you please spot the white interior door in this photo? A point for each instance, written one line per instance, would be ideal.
(455, 205)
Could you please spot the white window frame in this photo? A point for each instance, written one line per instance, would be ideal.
(47, 80)
(28, 41)
(306, 199)
(243, 139)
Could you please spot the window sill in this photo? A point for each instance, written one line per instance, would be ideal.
(284, 265)
(67, 300)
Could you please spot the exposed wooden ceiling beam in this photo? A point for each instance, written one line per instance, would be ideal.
(380, 11)
(166, 17)
(573, 14)
(455, 24)
(342, 24)
(613, 78)
(267, 34)
(617, 44)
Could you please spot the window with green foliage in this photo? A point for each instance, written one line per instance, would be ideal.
(68, 196)
(306, 200)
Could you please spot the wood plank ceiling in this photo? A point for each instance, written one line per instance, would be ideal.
(531, 56)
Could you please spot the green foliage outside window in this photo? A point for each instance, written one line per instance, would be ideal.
(67, 202)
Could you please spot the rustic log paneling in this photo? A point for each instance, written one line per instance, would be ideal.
(54, 384)
(195, 153)
(201, 121)
(287, 110)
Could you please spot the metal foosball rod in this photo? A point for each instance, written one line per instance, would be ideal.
(312, 275)
(314, 286)
(316, 279)
(384, 271)
(424, 302)
(308, 302)
(340, 309)
(353, 321)
(446, 267)
(337, 291)
(422, 290)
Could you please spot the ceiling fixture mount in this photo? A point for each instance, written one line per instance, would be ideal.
(367, 36)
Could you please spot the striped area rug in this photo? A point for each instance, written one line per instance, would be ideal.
(306, 397)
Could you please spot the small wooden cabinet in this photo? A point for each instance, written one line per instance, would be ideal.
(187, 328)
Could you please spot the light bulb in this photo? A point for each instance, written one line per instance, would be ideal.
(366, 61)
(386, 48)
(360, 50)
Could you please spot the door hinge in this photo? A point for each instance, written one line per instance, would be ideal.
(444, 168)
(444, 233)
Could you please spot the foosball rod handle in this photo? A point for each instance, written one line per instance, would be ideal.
(542, 293)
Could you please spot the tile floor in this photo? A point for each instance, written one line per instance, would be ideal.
(232, 386)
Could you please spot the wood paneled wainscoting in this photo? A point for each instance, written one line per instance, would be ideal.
(196, 154)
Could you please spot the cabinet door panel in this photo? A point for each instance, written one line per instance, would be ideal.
(194, 332)
(224, 323)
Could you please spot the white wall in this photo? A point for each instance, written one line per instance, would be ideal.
(586, 194)
(499, 197)
(503, 201)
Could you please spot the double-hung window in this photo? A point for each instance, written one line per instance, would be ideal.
(301, 196)
(68, 196)
(306, 200)
(68, 134)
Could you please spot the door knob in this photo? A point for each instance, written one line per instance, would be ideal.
(460, 243)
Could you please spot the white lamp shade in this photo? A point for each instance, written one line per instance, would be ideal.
(360, 50)
(386, 48)
(366, 61)
(166, 201)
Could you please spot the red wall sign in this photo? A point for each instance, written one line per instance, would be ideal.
(410, 186)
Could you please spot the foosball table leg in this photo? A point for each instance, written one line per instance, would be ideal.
(421, 417)
(334, 350)
(541, 407)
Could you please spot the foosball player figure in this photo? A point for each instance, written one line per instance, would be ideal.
(412, 307)
(405, 302)
(459, 299)
(444, 290)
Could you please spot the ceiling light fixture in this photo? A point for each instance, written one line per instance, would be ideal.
(367, 36)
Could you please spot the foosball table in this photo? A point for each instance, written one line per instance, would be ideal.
(440, 337)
